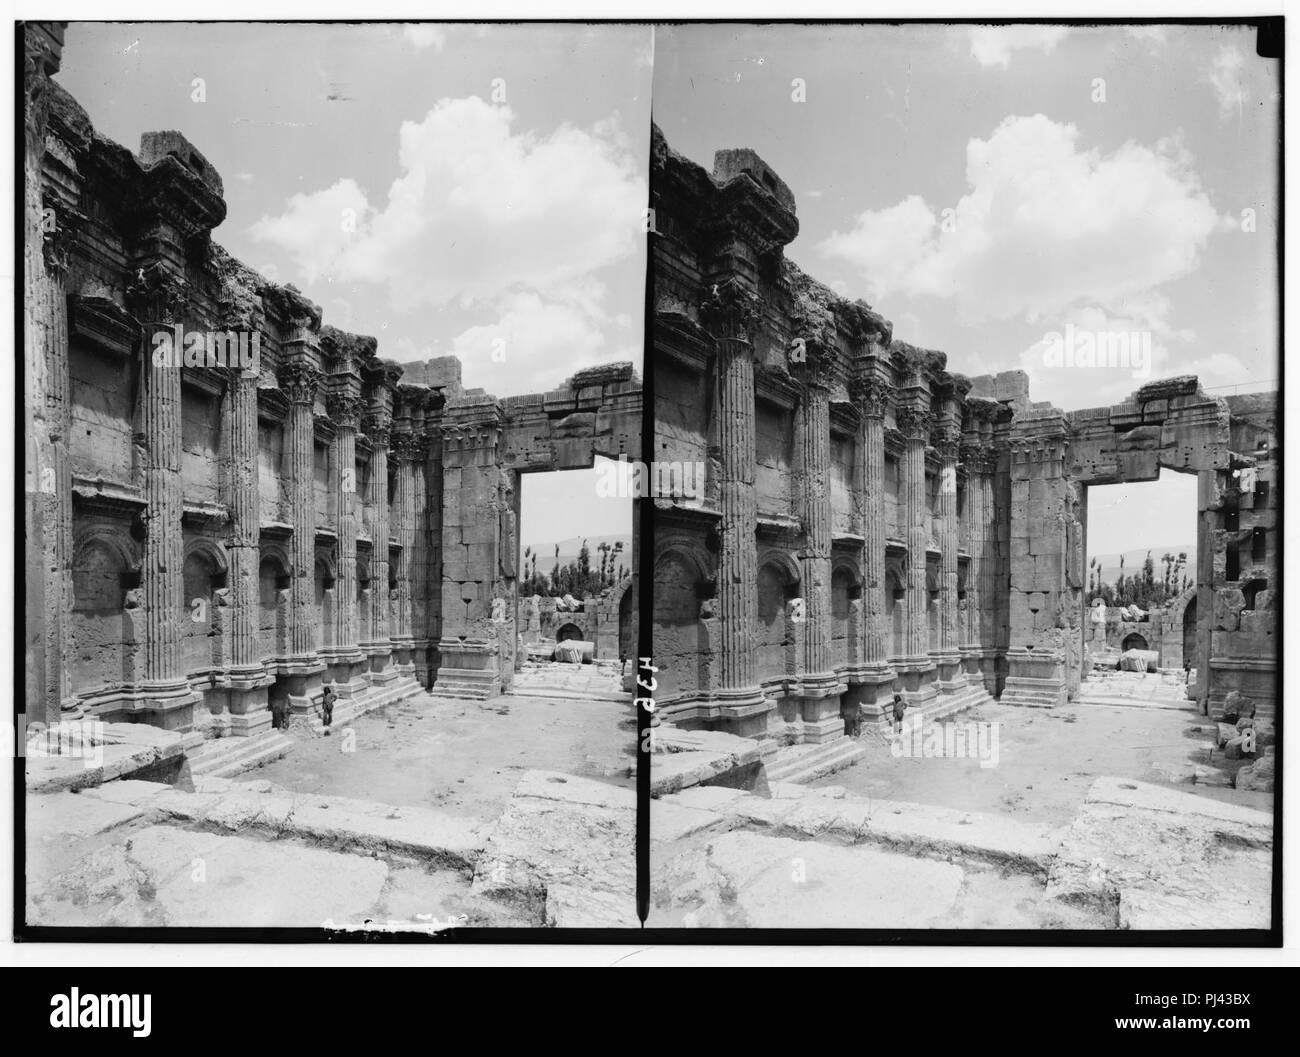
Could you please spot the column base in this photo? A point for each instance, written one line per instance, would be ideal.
(305, 682)
(468, 670)
(876, 694)
(379, 661)
(248, 710)
(743, 712)
(168, 705)
(404, 657)
(949, 677)
(1035, 679)
(917, 678)
(347, 673)
(819, 709)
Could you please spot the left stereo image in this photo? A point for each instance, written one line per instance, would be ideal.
(332, 385)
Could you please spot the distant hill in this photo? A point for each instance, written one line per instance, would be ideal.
(570, 547)
(1133, 561)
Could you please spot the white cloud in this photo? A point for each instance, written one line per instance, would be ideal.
(318, 229)
(424, 36)
(478, 211)
(548, 339)
(1113, 354)
(1043, 227)
(994, 45)
(512, 227)
(1225, 78)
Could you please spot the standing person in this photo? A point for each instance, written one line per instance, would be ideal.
(327, 706)
(900, 709)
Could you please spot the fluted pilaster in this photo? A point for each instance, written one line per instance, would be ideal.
(300, 382)
(914, 423)
(345, 410)
(730, 314)
(377, 500)
(872, 398)
(948, 533)
(815, 513)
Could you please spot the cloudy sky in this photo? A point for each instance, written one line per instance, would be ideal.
(986, 187)
(460, 189)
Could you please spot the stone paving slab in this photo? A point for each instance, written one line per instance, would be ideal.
(65, 817)
(680, 770)
(339, 822)
(1128, 793)
(166, 876)
(126, 748)
(829, 815)
(1152, 854)
(760, 881)
(562, 853)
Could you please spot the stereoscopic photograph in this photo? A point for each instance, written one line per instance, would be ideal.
(608, 479)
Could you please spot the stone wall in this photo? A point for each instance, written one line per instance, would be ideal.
(608, 620)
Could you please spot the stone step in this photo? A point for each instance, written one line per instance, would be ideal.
(943, 705)
(348, 709)
(805, 763)
(1121, 701)
(227, 757)
(561, 693)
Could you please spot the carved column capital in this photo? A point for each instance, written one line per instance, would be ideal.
(979, 458)
(299, 382)
(947, 438)
(345, 409)
(871, 395)
(60, 226)
(812, 362)
(730, 311)
(406, 446)
(154, 295)
(914, 422)
(377, 427)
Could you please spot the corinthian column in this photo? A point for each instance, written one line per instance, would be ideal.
(978, 458)
(730, 314)
(247, 677)
(347, 664)
(405, 449)
(168, 700)
(379, 648)
(914, 423)
(948, 656)
(300, 380)
(819, 686)
(872, 396)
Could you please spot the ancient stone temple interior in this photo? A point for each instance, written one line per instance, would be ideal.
(875, 522)
(232, 503)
